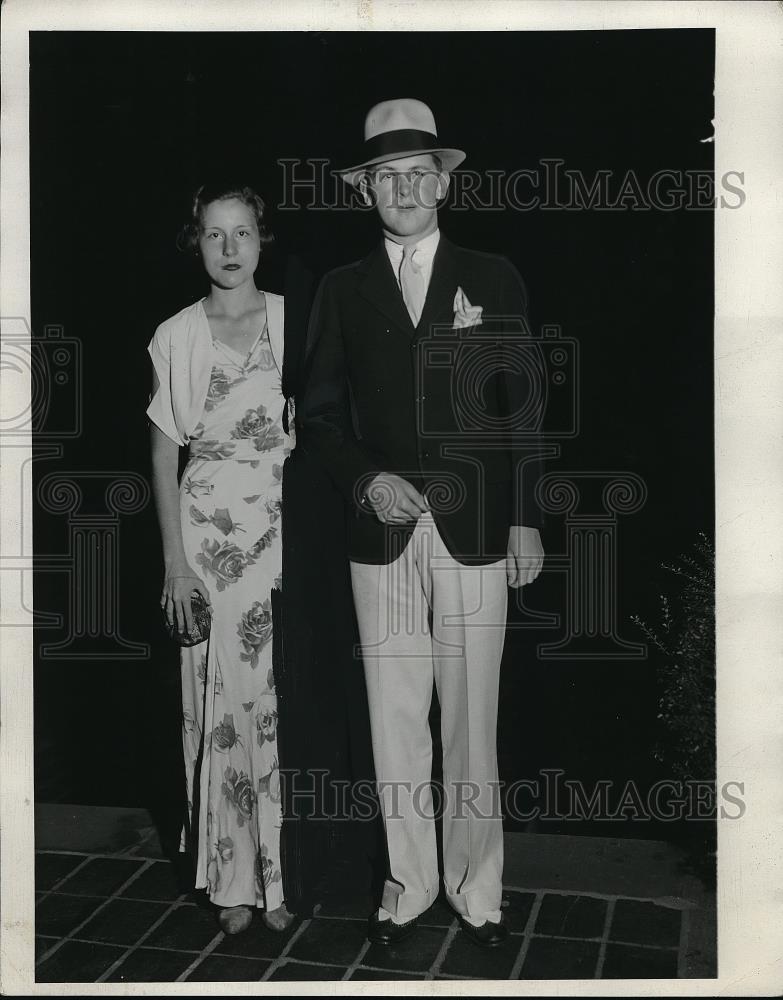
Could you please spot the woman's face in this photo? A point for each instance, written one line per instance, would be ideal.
(229, 242)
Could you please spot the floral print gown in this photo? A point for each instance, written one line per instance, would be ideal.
(230, 497)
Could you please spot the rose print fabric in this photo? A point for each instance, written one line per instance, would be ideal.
(230, 497)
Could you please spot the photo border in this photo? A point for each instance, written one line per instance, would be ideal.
(748, 451)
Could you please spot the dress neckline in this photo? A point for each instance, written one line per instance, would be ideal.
(220, 343)
(245, 357)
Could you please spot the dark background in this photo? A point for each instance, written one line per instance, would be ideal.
(124, 125)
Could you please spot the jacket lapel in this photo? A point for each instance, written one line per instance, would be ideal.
(439, 303)
(379, 286)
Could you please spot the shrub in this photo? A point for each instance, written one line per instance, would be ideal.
(685, 640)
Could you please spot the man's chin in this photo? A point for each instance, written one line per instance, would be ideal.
(406, 224)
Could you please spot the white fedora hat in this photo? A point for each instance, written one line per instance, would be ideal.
(395, 129)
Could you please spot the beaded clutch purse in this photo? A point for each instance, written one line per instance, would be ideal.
(202, 620)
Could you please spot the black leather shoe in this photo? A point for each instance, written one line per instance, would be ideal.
(386, 932)
(488, 935)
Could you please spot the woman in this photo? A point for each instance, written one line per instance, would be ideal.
(216, 389)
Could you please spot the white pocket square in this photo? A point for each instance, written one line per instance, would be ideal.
(464, 313)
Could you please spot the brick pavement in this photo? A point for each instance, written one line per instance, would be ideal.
(128, 914)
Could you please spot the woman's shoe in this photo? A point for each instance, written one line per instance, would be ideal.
(278, 920)
(235, 919)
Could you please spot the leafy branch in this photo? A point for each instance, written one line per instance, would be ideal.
(685, 640)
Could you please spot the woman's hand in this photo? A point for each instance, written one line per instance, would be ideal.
(175, 598)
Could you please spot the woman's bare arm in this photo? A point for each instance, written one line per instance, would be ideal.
(179, 578)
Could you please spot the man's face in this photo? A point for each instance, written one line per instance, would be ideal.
(406, 193)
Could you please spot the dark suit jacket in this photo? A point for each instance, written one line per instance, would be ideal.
(456, 412)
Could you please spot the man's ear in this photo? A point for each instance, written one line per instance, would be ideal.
(364, 190)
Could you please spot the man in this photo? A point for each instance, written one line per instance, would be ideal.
(422, 408)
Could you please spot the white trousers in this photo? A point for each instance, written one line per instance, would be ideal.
(424, 618)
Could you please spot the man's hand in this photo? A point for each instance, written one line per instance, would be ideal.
(394, 499)
(525, 555)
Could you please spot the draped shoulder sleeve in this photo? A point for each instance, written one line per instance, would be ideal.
(181, 354)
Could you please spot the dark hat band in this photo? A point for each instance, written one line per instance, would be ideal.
(398, 142)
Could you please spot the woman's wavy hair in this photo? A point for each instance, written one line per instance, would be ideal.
(221, 191)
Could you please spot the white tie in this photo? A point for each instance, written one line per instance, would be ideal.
(412, 284)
